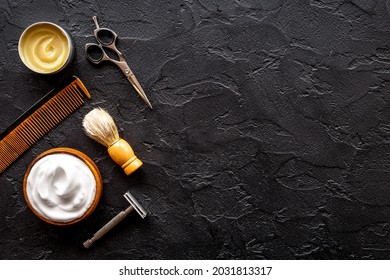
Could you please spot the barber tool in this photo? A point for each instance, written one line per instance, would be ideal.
(96, 54)
(49, 111)
(99, 125)
(134, 205)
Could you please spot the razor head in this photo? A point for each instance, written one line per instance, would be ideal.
(133, 202)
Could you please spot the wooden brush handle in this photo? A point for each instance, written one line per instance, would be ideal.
(123, 154)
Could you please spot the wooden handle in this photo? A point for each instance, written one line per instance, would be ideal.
(123, 154)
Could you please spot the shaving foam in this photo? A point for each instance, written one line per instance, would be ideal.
(61, 187)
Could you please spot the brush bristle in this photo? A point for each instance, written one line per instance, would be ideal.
(99, 125)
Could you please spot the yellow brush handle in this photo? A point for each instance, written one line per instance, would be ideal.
(123, 154)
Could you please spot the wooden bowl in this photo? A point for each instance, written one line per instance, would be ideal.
(91, 165)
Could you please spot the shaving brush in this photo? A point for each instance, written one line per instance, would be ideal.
(99, 125)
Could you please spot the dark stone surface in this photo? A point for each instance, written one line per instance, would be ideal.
(270, 136)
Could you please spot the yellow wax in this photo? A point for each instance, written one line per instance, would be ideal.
(44, 48)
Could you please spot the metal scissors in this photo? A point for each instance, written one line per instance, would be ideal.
(96, 54)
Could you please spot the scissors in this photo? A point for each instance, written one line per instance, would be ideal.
(96, 54)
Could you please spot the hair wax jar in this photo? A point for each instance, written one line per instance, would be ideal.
(45, 48)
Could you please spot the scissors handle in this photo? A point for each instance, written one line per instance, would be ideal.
(106, 38)
(96, 54)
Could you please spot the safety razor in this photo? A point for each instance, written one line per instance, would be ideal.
(134, 205)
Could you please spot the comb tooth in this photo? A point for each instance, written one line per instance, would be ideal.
(57, 106)
(66, 102)
(22, 129)
(4, 161)
(34, 125)
(53, 113)
(3, 153)
(77, 95)
(48, 117)
(81, 88)
(29, 130)
(10, 145)
(72, 98)
(38, 126)
(64, 107)
(6, 153)
(70, 105)
(3, 166)
(22, 134)
(51, 107)
(39, 119)
(14, 137)
(19, 141)
(12, 148)
(42, 124)
(44, 120)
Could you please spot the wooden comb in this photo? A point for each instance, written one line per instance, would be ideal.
(44, 115)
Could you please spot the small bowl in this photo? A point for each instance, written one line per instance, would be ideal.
(29, 192)
(45, 48)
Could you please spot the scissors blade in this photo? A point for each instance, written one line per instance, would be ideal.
(133, 80)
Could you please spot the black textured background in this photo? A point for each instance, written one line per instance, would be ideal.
(269, 138)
